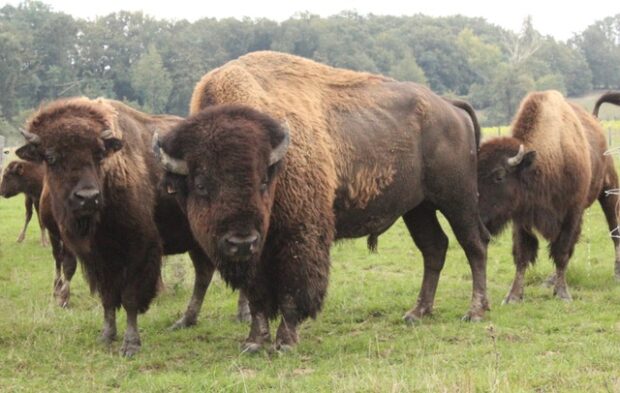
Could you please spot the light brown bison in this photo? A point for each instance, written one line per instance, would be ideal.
(315, 154)
(27, 178)
(102, 186)
(542, 178)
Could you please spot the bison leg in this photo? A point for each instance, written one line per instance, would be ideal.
(259, 333)
(28, 204)
(433, 243)
(131, 342)
(473, 238)
(58, 259)
(243, 308)
(204, 273)
(524, 251)
(609, 203)
(69, 265)
(44, 241)
(286, 337)
(561, 250)
(108, 334)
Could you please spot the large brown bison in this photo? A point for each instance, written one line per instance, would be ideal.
(103, 188)
(542, 178)
(316, 154)
(27, 178)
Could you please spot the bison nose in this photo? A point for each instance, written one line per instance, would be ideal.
(87, 198)
(241, 246)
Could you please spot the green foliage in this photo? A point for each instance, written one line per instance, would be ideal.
(45, 55)
(151, 82)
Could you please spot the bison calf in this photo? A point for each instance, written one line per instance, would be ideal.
(24, 177)
(542, 178)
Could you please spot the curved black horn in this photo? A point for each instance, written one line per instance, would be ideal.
(172, 165)
(30, 137)
(516, 160)
(278, 152)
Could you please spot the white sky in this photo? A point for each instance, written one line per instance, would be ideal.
(550, 18)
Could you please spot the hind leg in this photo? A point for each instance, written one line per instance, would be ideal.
(28, 204)
(433, 243)
(610, 205)
(69, 265)
(524, 251)
(561, 249)
(473, 238)
(204, 273)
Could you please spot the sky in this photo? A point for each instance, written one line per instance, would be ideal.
(549, 18)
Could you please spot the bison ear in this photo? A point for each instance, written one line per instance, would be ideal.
(19, 169)
(527, 161)
(278, 152)
(30, 152)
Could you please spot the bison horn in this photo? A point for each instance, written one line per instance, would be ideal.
(172, 165)
(516, 160)
(30, 137)
(279, 151)
(107, 134)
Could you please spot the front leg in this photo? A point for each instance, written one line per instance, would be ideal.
(286, 337)
(204, 269)
(524, 251)
(108, 335)
(131, 342)
(28, 204)
(259, 332)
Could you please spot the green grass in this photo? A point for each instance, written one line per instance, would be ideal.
(358, 343)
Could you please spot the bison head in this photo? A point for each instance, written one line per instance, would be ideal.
(74, 148)
(223, 164)
(13, 179)
(504, 173)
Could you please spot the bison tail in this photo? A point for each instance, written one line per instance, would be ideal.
(373, 242)
(611, 97)
(472, 114)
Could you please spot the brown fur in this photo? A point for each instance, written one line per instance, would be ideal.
(563, 173)
(120, 244)
(365, 150)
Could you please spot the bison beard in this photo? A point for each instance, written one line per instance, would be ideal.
(236, 274)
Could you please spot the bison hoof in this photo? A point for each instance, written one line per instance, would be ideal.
(183, 323)
(250, 347)
(549, 282)
(563, 294)
(20, 239)
(130, 348)
(284, 347)
(107, 338)
(473, 316)
(512, 299)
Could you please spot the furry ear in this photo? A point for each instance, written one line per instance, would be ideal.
(30, 152)
(527, 161)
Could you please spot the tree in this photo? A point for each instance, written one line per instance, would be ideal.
(151, 81)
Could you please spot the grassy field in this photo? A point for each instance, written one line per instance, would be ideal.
(358, 344)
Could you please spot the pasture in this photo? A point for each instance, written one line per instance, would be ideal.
(359, 342)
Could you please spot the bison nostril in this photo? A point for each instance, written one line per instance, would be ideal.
(241, 244)
(87, 195)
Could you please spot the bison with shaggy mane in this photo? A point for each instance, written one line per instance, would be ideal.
(283, 155)
(542, 178)
(103, 188)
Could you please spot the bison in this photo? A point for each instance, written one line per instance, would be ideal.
(542, 178)
(612, 97)
(24, 177)
(283, 155)
(102, 186)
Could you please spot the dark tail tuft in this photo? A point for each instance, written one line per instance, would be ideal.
(373, 242)
(612, 97)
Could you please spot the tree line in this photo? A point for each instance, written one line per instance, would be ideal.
(154, 64)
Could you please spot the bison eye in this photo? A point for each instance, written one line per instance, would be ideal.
(201, 188)
(50, 158)
(499, 175)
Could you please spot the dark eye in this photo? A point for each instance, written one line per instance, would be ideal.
(499, 175)
(264, 185)
(99, 156)
(200, 187)
(50, 158)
